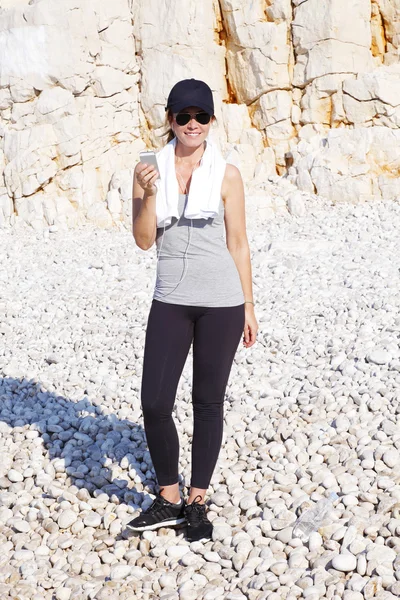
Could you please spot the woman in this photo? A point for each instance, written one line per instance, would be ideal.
(203, 294)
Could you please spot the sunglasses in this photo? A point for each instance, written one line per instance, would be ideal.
(183, 118)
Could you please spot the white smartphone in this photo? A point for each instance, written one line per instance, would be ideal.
(149, 158)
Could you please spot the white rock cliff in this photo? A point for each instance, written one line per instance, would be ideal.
(308, 89)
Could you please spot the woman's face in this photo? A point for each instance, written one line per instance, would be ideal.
(193, 133)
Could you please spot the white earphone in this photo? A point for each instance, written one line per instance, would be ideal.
(185, 268)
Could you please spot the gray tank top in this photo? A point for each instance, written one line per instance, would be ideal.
(210, 276)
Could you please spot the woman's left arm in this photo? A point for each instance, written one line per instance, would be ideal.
(236, 239)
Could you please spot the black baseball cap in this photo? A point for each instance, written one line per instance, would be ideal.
(190, 92)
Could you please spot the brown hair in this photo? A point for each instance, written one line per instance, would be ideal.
(168, 133)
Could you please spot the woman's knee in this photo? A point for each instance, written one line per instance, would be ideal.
(208, 411)
(154, 414)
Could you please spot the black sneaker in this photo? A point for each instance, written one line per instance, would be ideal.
(161, 513)
(199, 528)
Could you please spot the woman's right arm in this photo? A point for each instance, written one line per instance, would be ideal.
(144, 221)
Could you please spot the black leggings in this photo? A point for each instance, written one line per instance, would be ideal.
(215, 333)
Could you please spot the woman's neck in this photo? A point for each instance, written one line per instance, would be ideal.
(191, 156)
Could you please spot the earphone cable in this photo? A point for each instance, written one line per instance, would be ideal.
(185, 269)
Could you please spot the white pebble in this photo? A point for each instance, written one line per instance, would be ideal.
(212, 556)
(21, 526)
(23, 555)
(120, 572)
(352, 595)
(15, 476)
(177, 551)
(92, 519)
(67, 518)
(379, 357)
(391, 458)
(315, 541)
(344, 562)
(63, 593)
(247, 502)
(167, 580)
(381, 554)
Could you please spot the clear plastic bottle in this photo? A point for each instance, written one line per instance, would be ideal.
(312, 518)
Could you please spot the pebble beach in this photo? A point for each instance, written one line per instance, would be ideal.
(312, 408)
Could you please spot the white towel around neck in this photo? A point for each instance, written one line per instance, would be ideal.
(205, 187)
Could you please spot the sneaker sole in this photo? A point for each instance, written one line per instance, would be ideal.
(158, 525)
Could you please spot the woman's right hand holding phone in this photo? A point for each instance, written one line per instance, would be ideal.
(146, 176)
